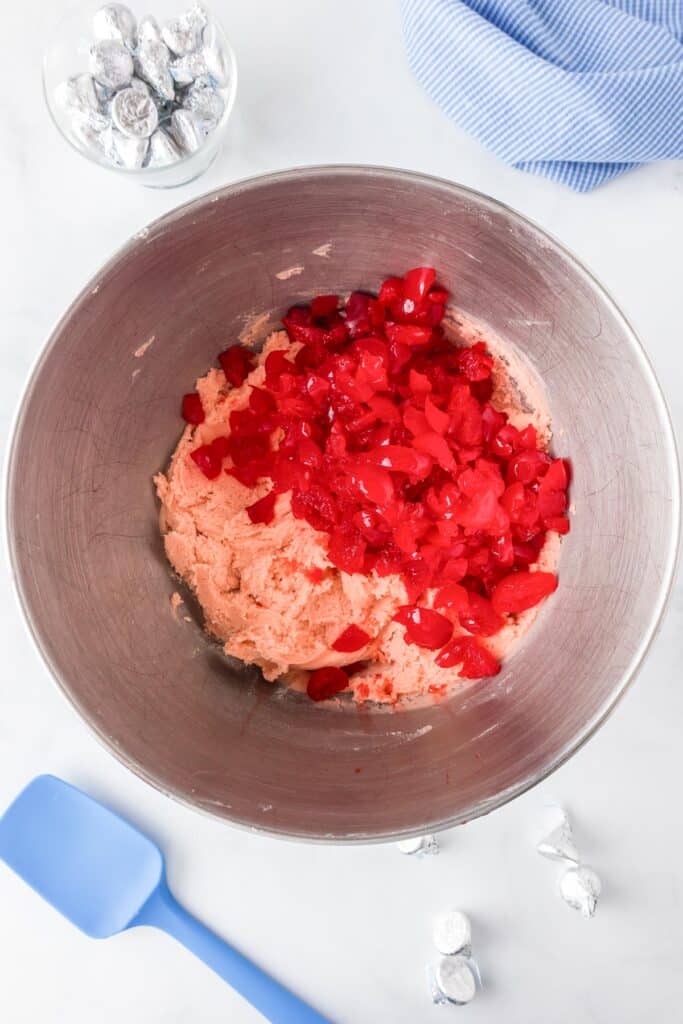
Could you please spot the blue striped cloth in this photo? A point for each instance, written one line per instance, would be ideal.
(576, 90)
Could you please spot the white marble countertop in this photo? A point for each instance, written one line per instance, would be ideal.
(350, 929)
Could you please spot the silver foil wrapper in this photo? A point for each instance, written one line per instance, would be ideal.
(164, 107)
(126, 151)
(559, 843)
(188, 67)
(455, 980)
(148, 30)
(94, 143)
(197, 15)
(420, 846)
(134, 113)
(116, 21)
(152, 66)
(111, 63)
(435, 992)
(104, 93)
(580, 888)
(137, 83)
(78, 96)
(186, 131)
(162, 150)
(453, 933)
(206, 103)
(216, 58)
(182, 35)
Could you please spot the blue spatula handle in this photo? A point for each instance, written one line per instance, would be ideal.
(273, 1000)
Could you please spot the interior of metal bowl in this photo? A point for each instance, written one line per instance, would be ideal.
(101, 415)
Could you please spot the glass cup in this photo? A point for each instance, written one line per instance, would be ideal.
(67, 55)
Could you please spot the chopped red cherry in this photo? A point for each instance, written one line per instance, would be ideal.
(479, 617)
(408, 334)
(452, 596)
(373, 484)
(522, 590)
(207, 460)
(556, 478)
(220, 446)
(475, 362)
(192, 409)
(346, 549)
(276, 365)
(401, 459)
(324, 305)
(390, 291)
(263, 510)
(437, 419)
(438, 295)
(425, 627)
(236, 363)
(417, 283)
(560, 524)
(326, 682)
(352, 639)
(476, 661)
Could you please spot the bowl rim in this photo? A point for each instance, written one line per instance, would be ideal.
(668, 443)
(140, 173)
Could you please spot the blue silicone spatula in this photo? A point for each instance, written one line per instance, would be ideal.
(105, 876)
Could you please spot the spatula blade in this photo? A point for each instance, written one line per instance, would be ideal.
(93, 867)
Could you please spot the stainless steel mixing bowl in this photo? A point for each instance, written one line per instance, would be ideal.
(98, 421)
